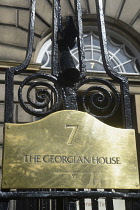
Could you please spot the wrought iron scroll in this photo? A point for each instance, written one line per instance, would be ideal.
(101, 97)
(47, 97)
(10, 72)
(125, 95)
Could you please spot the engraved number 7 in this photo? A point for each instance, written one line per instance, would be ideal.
(73, 132)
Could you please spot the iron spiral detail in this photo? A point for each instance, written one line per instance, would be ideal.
(99, 101)
(47, 94)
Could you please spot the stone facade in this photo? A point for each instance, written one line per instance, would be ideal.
(13, 43)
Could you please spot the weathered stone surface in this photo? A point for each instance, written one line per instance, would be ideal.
(17, 36)
(0, 156)
(2, 92)
(92, 6)
(112, 8)
(1, 133)
(129, 10)
(8, 15)
(15, 3)
(44, 10)
(11, 53)
(23, 21)
(137, 102)
(1, 112)
(136, 25)
(66, 10)
(23, 116)
(24, 94)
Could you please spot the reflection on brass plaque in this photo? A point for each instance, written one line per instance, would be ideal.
(69, 149)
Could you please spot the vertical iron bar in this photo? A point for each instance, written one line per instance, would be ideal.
(9, 77)
(56, 22)
(24, 65)
(33, 204)
(109, 202)
(82, 204)
(72, 205)
(128, 204)
(94, 203)
(109, 69)
(10, 82)
(53, 202)
(59, 203)
(65, 203)
(44, 203)
(9, 88)
(132, 204)
(53, 205)
(69, 96)
(80, 38)
(4, 205)
(126, 104)
(136, 205)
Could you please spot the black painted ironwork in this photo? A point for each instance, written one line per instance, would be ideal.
(77, 195)
(60, 89)
(9, 78)
(109, 69)
(50, 95)
(101, 98)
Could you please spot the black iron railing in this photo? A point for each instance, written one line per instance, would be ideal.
(60, 89)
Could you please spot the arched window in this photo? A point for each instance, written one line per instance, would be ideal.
(121, 56)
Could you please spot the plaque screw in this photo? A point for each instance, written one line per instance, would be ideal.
(5, 183)
(8, 127)
(132, 133)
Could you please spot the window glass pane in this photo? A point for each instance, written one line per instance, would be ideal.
(112, 48)
(129, 67)
(87, 40)
(98, 67)
(45, 59)
(121, 57)
(88, 54)
(96, 42)
(96, 55)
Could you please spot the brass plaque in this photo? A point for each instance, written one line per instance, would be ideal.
(69, 149)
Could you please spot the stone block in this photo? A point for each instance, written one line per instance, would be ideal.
(22, 116)
(11, 53)
(1, 112)
(0, 156)
(1, 134)
(8, 16)
(136, 25)
(24, 93)
(126, 15)
(92, 7)
(15, 37)
(44, 10)
(0, 178)
(65, 9)
(2, 92)
(23, 21)
(112, 8)
(20, 3)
